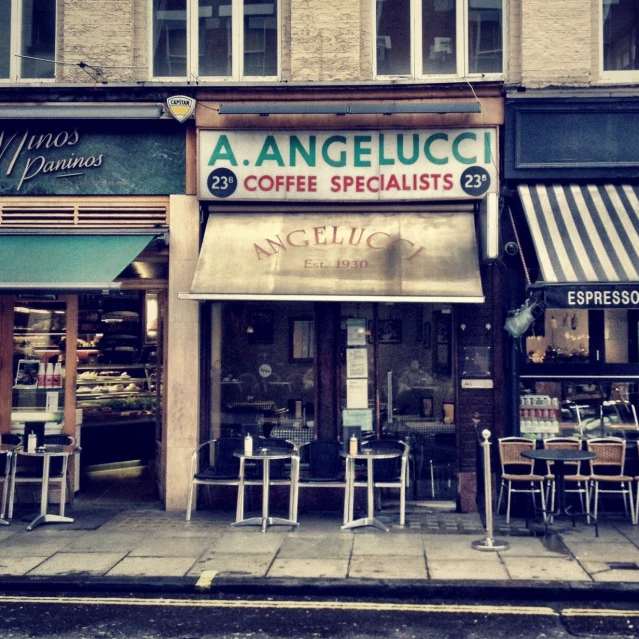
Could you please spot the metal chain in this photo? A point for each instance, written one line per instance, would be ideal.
(521, 253)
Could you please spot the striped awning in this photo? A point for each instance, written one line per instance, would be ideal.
(584, 233)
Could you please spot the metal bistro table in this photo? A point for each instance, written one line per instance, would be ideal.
(558, 457)
(46, 452)
(370, 455)
(8, 450)
(266, 455)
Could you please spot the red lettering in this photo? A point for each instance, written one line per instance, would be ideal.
(250, 179)
(319, 232)
(335, 185)
(448, 182)
(290, 241)
(359, 183)
(370, 239)
(370, 182)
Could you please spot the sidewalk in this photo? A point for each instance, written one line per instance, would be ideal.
(138, 547)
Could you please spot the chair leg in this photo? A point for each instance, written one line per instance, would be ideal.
(596, 498)
(402, 506)
(63, 485)
(189, 503)
(432, 479)
(501, 490)
(508, 497)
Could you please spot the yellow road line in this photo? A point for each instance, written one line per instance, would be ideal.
(290, 605)
(594, 612)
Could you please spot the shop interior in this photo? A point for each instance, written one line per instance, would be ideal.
(395, 370)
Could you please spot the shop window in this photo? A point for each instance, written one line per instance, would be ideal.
(27, 39)
(439, 38)
(231, 39)
(620, 57)
(302, 340)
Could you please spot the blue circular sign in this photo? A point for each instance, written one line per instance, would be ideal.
(475, 180)
(222, 182)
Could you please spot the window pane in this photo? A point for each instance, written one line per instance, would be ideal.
(620, 21)
(5, 42)
(38, 38)
(560, 336)
(214, 25)
(439, 37)
(393, 37)
(260, 37)
(169, 38)
(616, 336)
(484, 36)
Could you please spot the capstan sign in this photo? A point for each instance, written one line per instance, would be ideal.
(347, 165)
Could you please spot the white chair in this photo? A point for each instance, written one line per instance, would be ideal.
(517, 470)
(607, 469)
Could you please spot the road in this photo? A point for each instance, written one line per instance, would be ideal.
(28, 615)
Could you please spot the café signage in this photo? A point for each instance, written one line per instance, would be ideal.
(388, 165)
(592, 296)
(62, 158)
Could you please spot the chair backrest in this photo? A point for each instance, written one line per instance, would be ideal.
(348, 432)
(58, 440)
(324, 461)
(10, 439)
(570, 443)
(510, 449)
(224, 461)
(611, 454)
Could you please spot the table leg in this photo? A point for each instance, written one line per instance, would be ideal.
(370, 519)
(43, 517)
(5, 489)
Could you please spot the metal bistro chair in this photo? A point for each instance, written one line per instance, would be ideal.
(607, 468)
(325, 468)
(517, 470)
(390, 473)
(30, 472)
(573, 475)
(5, 474)
(214, 464)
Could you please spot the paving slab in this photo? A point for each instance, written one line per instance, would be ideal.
(242, 540)
(77, 564)
(233, 564)
(152, 567)
(315, 548)
(18, 566)
(603, 572)
(459, 547)
(376, 567)
(379, 543)
(604, 551)
(534, 547)
(106, 542)
(490, 568)
(544, 568)
(171, 547)
(309, 568)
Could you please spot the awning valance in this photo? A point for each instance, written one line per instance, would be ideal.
(587, 239)
(66, 262)
(329, 256)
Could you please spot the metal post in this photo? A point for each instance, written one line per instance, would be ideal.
(488, 543)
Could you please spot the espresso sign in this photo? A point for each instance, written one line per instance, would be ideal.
(592, 296)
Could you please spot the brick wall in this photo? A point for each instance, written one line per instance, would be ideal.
(556, 42)
(325, 40)
(100, 33)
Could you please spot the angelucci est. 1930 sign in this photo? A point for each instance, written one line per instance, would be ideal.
(388, 165)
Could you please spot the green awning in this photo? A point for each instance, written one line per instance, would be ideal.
(66, 262)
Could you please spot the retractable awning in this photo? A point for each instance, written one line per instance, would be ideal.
(587, 241)
(329, 256)
(66, 262)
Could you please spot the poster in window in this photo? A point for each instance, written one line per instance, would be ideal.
(27, 373)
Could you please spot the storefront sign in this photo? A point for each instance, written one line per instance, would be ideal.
(475, 384)
(88, 158)
(430, 164)
(592, 296)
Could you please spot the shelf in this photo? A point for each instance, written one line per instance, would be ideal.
(113, 367)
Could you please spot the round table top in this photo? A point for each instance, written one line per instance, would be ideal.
(267, 453)
(372, 453)
(558, 454)
(53, 450)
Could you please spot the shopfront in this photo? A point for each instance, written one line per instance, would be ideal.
(579, 234)
(334, 270)
(83, 279)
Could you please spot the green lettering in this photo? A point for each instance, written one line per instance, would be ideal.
(341, 161)
(360, 150)
(222, 151)
(487, 153)
(270, 152)
(383, 160)
(297, 147)
(400, 149)
(457, 141)
(429, 156)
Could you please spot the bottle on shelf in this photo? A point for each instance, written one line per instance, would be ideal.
(352, 445)
(48, 378)
(41, 375)
(57, 375)
(248, 445)
(31, 442)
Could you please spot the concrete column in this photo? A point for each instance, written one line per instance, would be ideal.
(180, 422)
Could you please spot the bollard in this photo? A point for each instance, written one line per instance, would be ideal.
(488, 543)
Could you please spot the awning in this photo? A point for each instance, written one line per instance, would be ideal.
(586, 238)
(66, 262)
(399, 257)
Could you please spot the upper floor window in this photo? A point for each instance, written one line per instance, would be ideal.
(620, 25)
(27, 39)
(215, 38)
(458, 38)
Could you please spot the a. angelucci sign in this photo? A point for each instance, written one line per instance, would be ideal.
(427, 164)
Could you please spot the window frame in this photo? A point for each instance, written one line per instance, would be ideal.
(237, 47)
(620, 77)
(15, 46)
(461, 49)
